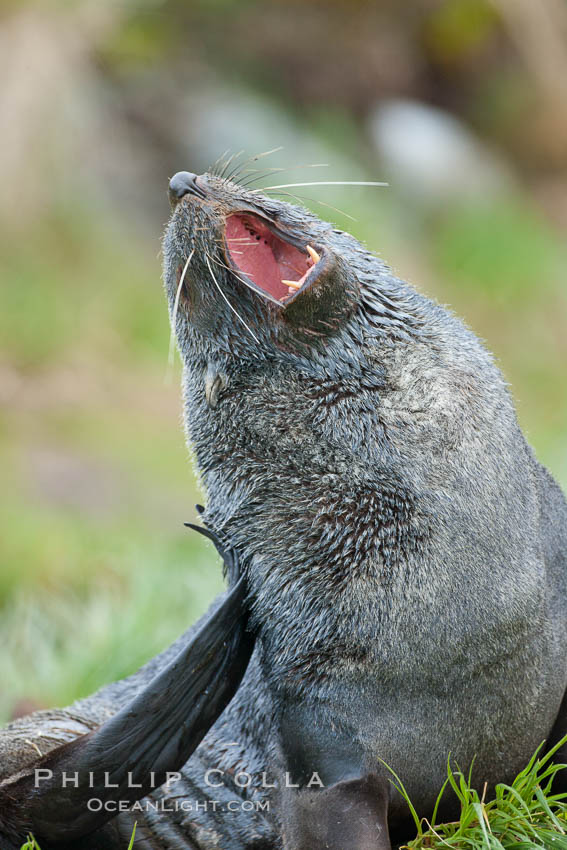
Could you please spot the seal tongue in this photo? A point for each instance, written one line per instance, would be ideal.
(272, 264)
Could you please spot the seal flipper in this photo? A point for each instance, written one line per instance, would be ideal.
(335, 800)
(154, 733)
(350, 813)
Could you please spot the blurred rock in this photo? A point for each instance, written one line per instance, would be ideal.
(65, 134)
(434, 156)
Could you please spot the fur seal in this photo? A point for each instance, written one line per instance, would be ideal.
(402, 552)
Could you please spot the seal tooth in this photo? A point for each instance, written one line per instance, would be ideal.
(313, 254)
(293, 284)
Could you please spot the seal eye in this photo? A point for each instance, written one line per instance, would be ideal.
(275, 266)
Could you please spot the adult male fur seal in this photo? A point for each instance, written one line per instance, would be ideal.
(404, 556)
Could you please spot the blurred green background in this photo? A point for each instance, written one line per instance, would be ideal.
(461, 105)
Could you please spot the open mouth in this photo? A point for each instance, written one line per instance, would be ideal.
(274, 266)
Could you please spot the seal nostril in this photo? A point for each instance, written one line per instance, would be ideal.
(183, 183)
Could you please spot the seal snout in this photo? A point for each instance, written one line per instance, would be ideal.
(184, 183)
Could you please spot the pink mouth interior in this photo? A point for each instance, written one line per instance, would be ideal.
(263, 257)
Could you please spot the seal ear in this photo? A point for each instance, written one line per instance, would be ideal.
(321, 308)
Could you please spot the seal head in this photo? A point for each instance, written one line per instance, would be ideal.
(264, 277)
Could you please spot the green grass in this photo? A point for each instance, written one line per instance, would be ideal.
(522, 816)
(61, 643)
(31, 843)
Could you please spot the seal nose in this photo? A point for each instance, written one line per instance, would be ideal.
(181, 184)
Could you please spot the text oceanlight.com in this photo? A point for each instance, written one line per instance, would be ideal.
(95, 804)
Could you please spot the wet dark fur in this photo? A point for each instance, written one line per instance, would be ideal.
(405, 553)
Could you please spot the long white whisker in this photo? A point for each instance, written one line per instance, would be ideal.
(237, 170)
(259, 175)
(267, 153)
(249, 180)
(327, 183)
(238, 316)
(331, 207)
(302, 198)
(228, 162)
(171, 352)
(218, 161)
